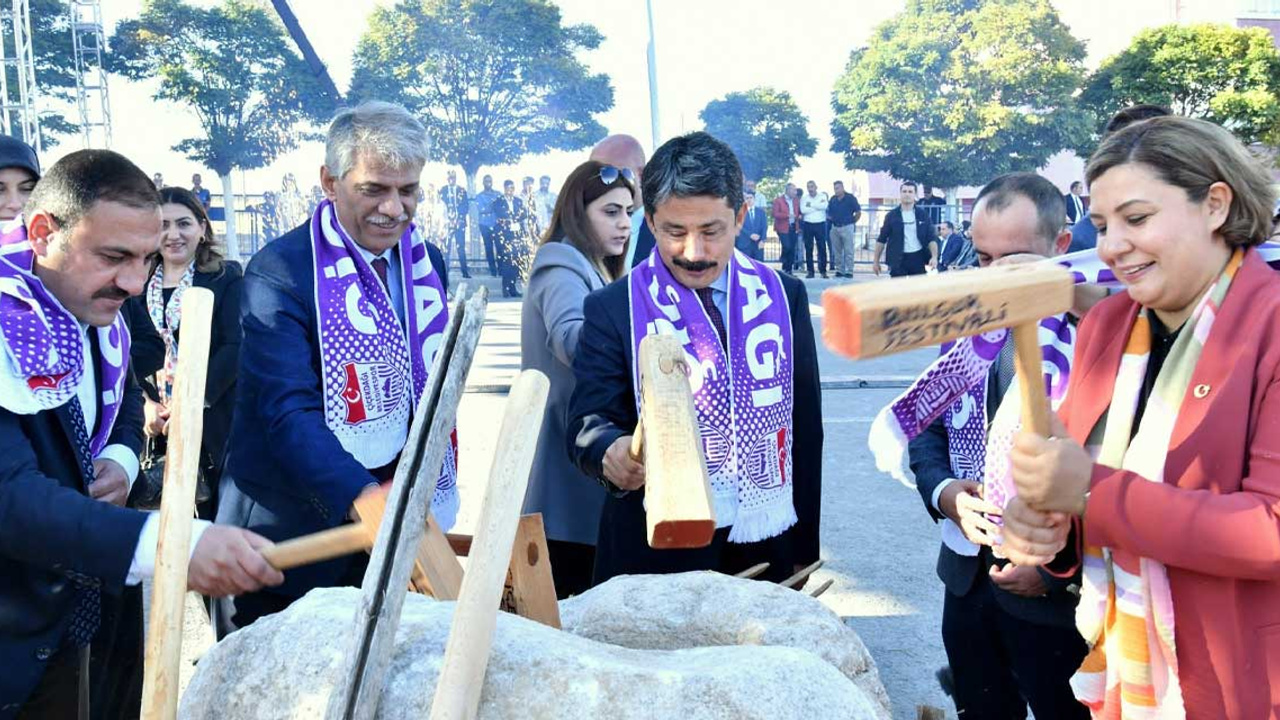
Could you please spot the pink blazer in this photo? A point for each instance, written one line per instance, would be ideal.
(780, 214)
(1215, 521)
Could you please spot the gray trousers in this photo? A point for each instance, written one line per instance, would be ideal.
(842, 248)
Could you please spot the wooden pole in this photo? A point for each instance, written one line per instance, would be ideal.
(177, 508)
(320, 546)
(466, 656)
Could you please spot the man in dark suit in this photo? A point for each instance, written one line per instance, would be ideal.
(693, 199)
(288, 471)
(754, 226)
(70, 433)
(510, 216)
(1009, 631)
(1075, 205)
(456, 204)
(957, 251)
(909, 236)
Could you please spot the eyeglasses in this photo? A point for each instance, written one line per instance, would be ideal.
(609, 175)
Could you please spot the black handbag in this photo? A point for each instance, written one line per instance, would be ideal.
(152, 475)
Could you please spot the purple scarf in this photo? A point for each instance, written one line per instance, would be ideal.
(373, 371)
(744, 399)
(43, 347)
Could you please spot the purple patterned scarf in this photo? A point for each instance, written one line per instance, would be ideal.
(744, 399)
(43, 346)
(373, 371)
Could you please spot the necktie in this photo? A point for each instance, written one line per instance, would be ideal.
(713, 312)
(380, 266)
(84, 619)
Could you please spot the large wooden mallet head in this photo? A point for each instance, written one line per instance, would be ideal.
(880, 318)
(677, 490)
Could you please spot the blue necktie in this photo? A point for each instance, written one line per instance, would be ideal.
(713, 312)
(84, 620)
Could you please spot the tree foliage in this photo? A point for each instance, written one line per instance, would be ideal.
(54, 66)
(1223, 74)
(955, 92)
(492, 80)
(234, 67)
(764, 127)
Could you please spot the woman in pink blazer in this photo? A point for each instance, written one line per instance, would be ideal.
(1166, 460)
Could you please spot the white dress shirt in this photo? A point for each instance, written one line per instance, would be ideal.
(814, 208)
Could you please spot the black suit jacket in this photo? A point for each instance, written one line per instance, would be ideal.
(286, 473)
(931, 463)
(602, 408)
(891, 234)
(50, 529)
(224, 355)
(644, 243)
(1074, 214)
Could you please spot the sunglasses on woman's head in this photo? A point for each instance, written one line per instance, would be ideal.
(609, 175)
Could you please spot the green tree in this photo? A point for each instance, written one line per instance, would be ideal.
(1223, 74)
(955, 92)
(764, 127)
(54, 66)
(232, 65)
(492, 80)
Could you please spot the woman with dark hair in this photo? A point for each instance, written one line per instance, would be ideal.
(583, 250)
(1167, 456)
(19, 171)
(191, 257)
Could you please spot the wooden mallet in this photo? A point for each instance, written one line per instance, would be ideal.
(880, 318)
(177, 508)
(677, 489)
(437, 571)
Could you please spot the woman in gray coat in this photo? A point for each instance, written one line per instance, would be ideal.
(583, 250)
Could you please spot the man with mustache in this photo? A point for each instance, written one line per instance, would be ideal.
(749, 339)
(342, 318)
(70, 432)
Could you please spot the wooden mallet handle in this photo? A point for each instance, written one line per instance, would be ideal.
(1028, 362)
(318, 547)
(177, 508)
(637, 442)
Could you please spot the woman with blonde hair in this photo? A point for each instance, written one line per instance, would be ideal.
(1166, 460)
(583, 250)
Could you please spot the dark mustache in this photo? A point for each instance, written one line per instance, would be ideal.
(112, 293)
(693, 266)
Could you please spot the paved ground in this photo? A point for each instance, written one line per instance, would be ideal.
(878, 543)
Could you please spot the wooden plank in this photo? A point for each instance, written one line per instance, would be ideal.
(441, 573)
(531, 590)
(359, 687)
(677, 494)
(800, 577)
(460, 544)
(753, 571)
(177, 508)
(466, 655)
(879, 318)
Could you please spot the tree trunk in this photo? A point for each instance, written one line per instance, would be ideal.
(475, 246)
(229, 205)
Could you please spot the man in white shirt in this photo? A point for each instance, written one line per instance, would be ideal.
(545, 202)
(813, 215)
